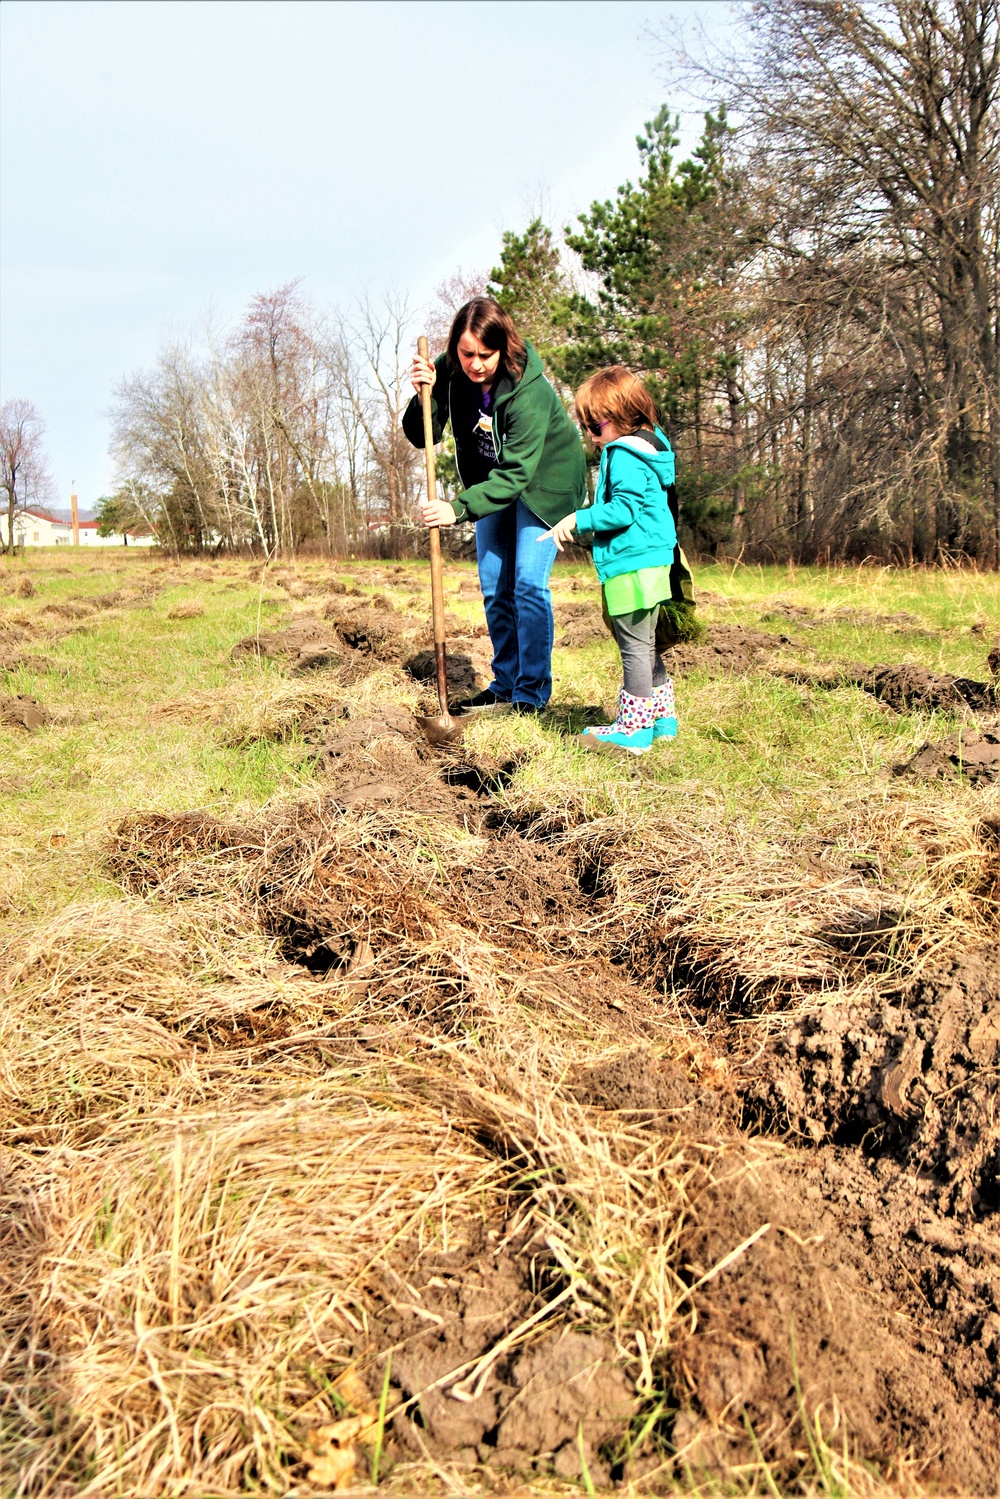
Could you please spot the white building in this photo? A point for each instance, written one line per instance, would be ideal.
(35, 527)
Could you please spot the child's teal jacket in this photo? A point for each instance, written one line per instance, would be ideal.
(630, 520)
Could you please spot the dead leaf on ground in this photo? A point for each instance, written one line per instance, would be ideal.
(333, 1468)
(331, 1457)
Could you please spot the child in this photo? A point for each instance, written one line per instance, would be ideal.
(634, 538)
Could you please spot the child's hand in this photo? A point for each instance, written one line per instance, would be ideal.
(563, 531)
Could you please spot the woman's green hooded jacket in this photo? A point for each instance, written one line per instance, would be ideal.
(540, 457)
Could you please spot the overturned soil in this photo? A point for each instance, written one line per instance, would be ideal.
(837, 1261)
(356, 635)
(735, 648)
(972, 755)
(23, 712)
(904, 686)
(741, 649)
(901, 622)
(460, 671)
(914, 686)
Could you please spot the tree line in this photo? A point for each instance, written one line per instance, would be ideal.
(812, 296)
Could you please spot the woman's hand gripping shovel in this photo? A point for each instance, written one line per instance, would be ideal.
(442, 729)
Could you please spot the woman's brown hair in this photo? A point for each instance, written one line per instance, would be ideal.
(487, 322)
(614, 394)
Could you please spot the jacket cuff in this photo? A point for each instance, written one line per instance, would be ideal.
(461, 509)
(584, 523)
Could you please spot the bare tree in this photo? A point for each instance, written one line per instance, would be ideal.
(451, 294)
(24, 472)
(160, 445)
(373, 350)
(872, 136)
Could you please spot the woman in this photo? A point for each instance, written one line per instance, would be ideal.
(522, 467)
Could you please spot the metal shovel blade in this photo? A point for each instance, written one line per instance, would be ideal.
(440, 728)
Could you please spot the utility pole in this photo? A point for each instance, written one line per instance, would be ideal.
(74, 511)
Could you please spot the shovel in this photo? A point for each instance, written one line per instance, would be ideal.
(442, 729)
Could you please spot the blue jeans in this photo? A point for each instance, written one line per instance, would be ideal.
(514, 569)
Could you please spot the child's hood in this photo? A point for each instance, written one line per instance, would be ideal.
(642, 446)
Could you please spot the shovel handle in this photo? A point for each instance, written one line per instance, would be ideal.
(437, 581)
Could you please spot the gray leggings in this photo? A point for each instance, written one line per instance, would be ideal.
(641, 662)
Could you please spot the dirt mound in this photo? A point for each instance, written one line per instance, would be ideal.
(69, 609)
(22, 588)
(310, 879)
(23, 712)
(914, 686)
(529, 891)
(385, 761)
(471, 1393)
(373, 630)
(912, 1079)
(726, 648)
(804, 1321)
(900, 623)
(462, 678)
(901, 687)
(293, 587)
(975, 756)
(902, 1196)
(579, 624)
(31, 662)
(304, 645)
(658, 1092)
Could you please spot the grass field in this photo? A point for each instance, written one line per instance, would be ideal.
(505, 1119)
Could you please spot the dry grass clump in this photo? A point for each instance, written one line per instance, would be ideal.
(758, 921)
(190, 610)
(193, 1258)
(208, 1221)
(103, 1003)
(178, 1298)
(269, 707)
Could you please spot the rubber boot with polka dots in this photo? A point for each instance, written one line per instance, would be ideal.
(632, 730)
(664, 711)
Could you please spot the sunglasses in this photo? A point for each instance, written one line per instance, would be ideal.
(595, 428)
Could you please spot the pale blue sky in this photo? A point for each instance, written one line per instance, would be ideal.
(161, 159)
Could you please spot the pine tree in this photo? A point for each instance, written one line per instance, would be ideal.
(666, 252)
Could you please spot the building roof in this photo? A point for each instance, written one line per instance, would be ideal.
(55, 519)
(37, 513)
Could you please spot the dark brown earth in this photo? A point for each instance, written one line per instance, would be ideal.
(540, 1405)
(740, 649)
(914, 686)
(725, 648)
(900, 623)
(461, 673)
(904, 686)
(355, 635)
(578, 624)
(23, 712)
(302, 645)
(913, 1078)
(971, 754)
